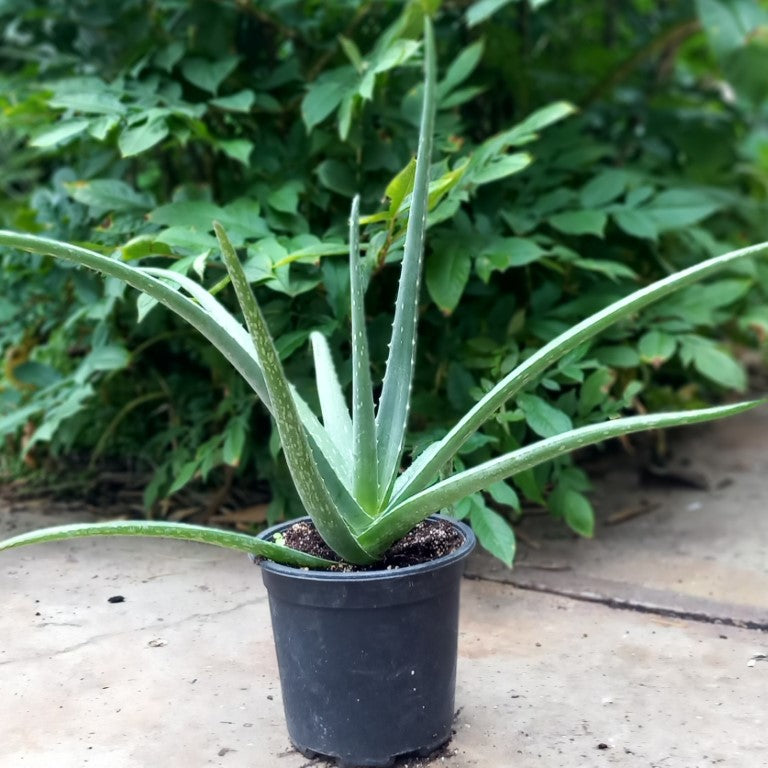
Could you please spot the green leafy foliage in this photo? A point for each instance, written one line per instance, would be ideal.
(538, 214)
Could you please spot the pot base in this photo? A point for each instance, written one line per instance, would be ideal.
(384, 762)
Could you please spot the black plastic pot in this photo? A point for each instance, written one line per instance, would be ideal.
(368, 660)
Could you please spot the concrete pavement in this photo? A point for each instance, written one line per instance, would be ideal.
(643, 647)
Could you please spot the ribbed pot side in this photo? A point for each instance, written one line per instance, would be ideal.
(368, 660)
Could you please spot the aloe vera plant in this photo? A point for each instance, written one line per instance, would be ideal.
(346, 465)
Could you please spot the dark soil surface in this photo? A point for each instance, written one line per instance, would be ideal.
(428, 541)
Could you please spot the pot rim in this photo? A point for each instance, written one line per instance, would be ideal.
(396, 573)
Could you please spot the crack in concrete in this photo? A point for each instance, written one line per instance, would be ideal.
(156, 626)
(628, 604)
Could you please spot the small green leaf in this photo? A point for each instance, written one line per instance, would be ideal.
(108, 195)
(506, 252)
(187, 238)
(577, 512)
(186, 213)
(612, 269)
(208, 75)
(36, 374)
(166, 58)
(603, 188)
(580, 222)
(286, 197)
(353, 53)
(482, 10)
(460, 96)
(493, 532)
(184, 475)
(447, 273)
(401, 186)
(89, 95)
(337, 176)
(237, 149)
(544, 117)
(595, 389)
(719, 367)
(618, 356)
(678, 208)
(501, 167)
(503, 493)
(234, 442)
(110, 357)
(139, 138)
(636, 223)
(101, 126)
(395, 55)
(460, 68)
(542, 418)
(60, 133)
(325, 94)
(728, 24)
(242, 101)
(656, 347)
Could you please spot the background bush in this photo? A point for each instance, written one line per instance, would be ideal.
(129, 126)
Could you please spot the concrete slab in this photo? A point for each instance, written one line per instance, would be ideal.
(661, 545)
(182, 673)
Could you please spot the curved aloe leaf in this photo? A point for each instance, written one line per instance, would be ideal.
(333, 406)
(392, 415)
(397, 520)
(363, 419)
(312, 491)
(426, 467)
(181, 531)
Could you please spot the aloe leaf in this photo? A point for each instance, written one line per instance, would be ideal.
(317, 501)
(181, 531)
(240, 357)
(427, 466)
(392, 414)
(320, 439)
(333, 406)
(357, 518)
(399, 518)
(364, 456)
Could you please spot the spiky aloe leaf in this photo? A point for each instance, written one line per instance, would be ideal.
(427, 466)
(392, 414)
(333, 406)
(363, 420)
(396, 521)
(181, 531)
(312, 491)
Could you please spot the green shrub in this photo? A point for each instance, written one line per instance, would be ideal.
(130, 128)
